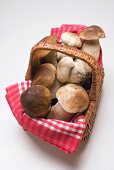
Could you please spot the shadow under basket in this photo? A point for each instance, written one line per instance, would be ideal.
(65, 135)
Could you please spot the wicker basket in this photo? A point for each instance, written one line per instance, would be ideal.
(48, 44)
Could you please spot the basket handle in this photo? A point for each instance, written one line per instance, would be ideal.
(50, 43)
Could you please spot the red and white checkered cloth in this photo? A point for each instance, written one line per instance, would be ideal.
(65, 135)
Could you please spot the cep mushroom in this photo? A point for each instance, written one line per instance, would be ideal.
(90, 37)
(64, 68)
(81, 73)
(72, 99)
(36, 101)
(45, 75)
(71, 39)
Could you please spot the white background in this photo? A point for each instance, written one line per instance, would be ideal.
(22, 24)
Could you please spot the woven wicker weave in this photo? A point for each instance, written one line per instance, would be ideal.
(48, 44)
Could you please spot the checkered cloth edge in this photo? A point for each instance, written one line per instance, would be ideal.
(65, 135)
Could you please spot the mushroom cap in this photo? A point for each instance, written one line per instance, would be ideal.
(45, 75)
(72, 98)
(36, 100)
(99, 30)
(92, 33)
(71, 39)
(50, 58)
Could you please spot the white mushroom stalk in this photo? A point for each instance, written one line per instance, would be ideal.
(64, 68)
(92, 48)
(57, 112)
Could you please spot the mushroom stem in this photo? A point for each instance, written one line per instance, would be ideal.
(92, 47)
(64, 68)
(57, 112)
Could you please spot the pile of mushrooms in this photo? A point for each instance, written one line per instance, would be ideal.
(58, 89)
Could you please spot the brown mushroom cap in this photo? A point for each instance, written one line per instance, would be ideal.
(36, 101)
(45, 75)
(72, 98)
(99, 30)
(92, 33)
